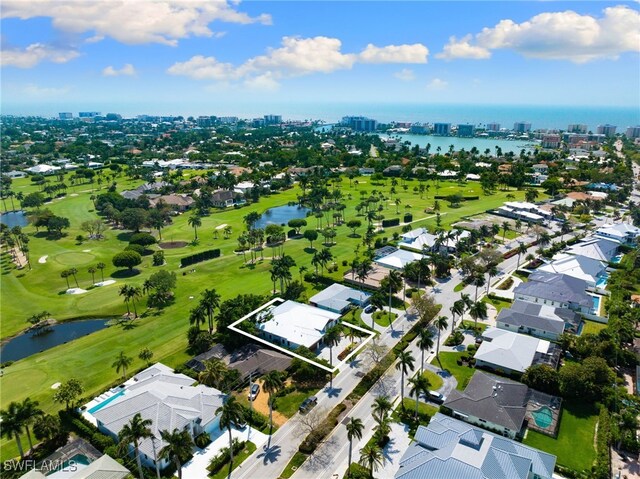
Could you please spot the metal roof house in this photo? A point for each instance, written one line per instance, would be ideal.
(398, 259)
(558, 290)
(602, 249)
(509, 352)
(581, 267)
(492, 403)
(622, 232)
(103, 468)
(539, 320)
(168, 399)
(451, 449)
(339, 298)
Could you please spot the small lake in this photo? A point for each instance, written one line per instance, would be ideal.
(14, 218)
(281, 215)
(25, 345)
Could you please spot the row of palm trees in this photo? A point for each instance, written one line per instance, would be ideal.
(17, 419)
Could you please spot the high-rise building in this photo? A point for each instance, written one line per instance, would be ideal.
(551, 141)
(521, 127)
(273, 119)
(89, 114)
(359, 123)
(65, 115)
(442, 129)
(493, 126)
(228, 120)
(206, 121)
(466, 130)
(577, 128)
(607, 130)
(633, 132)
(419, 129)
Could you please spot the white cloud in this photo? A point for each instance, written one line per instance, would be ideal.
(34, 90)
(437, 84)
(295, 57)
(133, 21)
(34, 54)
(463, 49)
(557, 36)
(416, 53)
(127, 70)
(406, 74)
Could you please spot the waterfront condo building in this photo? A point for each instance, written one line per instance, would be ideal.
(442, 129)
(607, 130)
(466, 130)
(521, 127)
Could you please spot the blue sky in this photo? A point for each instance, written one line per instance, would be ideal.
(160, 56)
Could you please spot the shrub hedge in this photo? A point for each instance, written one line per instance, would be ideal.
(199, 257)
(390, 222)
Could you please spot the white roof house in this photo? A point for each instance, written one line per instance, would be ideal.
(622, 232)
(420, 238)
(582, 267)
(43, 169)
(509, 351)
(102, 468)
(168, 399)
(398, 259)
(602, 249)
(294, 324)
(338, 298)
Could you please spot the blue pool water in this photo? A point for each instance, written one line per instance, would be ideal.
(543, 417)
(602, 281)
(596, 303)
(616, 259)
(97, 407)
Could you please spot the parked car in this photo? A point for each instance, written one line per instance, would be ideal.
(435, 397)
(308, 404)
(370, 309)
(254, 390)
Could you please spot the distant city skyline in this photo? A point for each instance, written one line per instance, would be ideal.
(200, 55)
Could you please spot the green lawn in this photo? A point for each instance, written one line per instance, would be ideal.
(574, 445)
(296, 461)
(459, 287)
(497, 303)
(27, 292)
(249, 449)
(423, 408)
(448, 363)
(288, 404)
(435, 381)
(382, 318)
(592, 327)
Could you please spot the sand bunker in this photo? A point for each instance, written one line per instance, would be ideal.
(222, 226)
(76, 291)
(105, 283)
(43, 259)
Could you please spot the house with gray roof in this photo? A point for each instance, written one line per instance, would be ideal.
(493, 403)
(602, 249)
(558, 290)
(339, 298)
(508, 352)
(169, 400)
(103, 468)
(451, 449)
(539, 320)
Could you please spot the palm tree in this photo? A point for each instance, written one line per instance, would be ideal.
(371, 457)
(213, 373)
(210, 301)
(73, 272)
(178, 447)
(478, 281)
(381, 406)
(135, 294)
(404, 365)
(146, 354)
(419, 385)
(425, 343)
(127, 292)
(92, 270)
(522, 249)
(131, 433)
(122, 362)
(271, 383)
(231, 414)
(477, 311)
(440, 323)
(101, 267)
(492, 271)
(354, 430)
(505, 227)
(11, 424)
(28, 412)
(65, 274)
(195, 222)
(457, 308)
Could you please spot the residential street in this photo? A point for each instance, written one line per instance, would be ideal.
(332, 456)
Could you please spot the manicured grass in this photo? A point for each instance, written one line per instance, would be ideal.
(435, 381)
(592, 327)
(423, 408)
(296, 461)
(497, 303)
(471, 325)
(448, 363)
(249, 448)
(382, 318)
(27, 292)
(574, 445)
(459, 287)
(288, 405)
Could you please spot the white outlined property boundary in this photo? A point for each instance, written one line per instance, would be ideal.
(288, 352)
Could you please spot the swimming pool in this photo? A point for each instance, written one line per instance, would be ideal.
(97, 407)
(543, 417)
(596, 304)
(602, 281)
(616, 259)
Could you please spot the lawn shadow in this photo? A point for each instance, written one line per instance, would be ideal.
(310, 250)
(125, 273)
(124, 236)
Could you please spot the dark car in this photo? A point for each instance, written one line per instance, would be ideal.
(308, 404)
(254, 391)
(370, 309)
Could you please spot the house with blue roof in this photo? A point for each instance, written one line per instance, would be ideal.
(451, 449)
